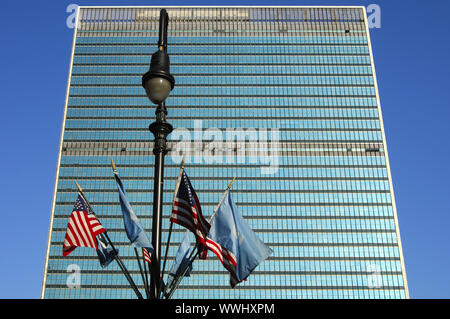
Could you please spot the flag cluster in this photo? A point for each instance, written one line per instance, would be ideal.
(82, 229)
(229, 236)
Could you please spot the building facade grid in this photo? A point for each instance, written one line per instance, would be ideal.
(303, 76)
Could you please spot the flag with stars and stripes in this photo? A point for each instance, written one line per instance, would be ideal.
(82, 229)
(187, 212)
(147, 256)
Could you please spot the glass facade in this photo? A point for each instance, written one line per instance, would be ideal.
(283, 99)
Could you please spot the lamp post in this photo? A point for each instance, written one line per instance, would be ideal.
(158, 82)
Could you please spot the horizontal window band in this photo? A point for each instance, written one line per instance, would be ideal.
(261, 179)
(151, 139)
(280, 145)
(281, 129)
(351, 204)
(215, 54)
(282, 85)
(241, 178)
(214, 166)
(225, 74)
(274, 231)
(338, 31)
(270, 258)
(227, 286)
(236, 191)
(212, 27)
(268, 218)
(310, 28)
(62, 191)
(290, 244)
(230, 95)
(224, 272)
(230, 75)
(215, 44)
(118, 64)
(206, 178)
(249, 107)
(299, 166)
(223, 118)
(285, 155)
(297, 144)
(278, 288)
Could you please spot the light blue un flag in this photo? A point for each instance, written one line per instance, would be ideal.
(231, 231)
(135, 232)
(181, 259)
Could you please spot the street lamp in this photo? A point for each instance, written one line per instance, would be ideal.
(158, 82)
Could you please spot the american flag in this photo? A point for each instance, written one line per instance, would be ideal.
(226, 257)
(147, 256)
(82, 228)
(188, 213)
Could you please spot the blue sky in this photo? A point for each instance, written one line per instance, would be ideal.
(411, 53)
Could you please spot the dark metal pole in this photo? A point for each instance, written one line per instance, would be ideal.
(163, 24)
(160, 130)
(159, 69)
(124, 268)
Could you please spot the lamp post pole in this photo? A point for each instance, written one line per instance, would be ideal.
(158, 82)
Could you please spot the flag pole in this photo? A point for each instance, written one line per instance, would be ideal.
(147, 291)
(183, 273)
(221, 200)
(180, 277)
(171, 223)
(124, 269)
(116, 253)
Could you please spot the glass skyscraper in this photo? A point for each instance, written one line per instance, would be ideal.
(284, 99)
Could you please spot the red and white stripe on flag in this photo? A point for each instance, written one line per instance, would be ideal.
(81, 231)
(147, 256)
(226, 257)
(222, 253)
